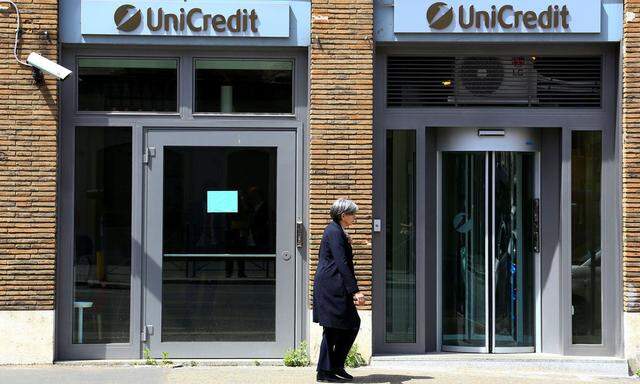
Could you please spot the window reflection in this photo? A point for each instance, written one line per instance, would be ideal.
(586, 252)
(102, 257)
(244, 86)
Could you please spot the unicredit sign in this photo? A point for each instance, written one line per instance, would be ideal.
(485, 16)
(185, 18)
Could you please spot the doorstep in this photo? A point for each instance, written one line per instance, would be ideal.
(175, 363)
(539, 362)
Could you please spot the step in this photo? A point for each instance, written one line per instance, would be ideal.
(175, 363)
(539, 362)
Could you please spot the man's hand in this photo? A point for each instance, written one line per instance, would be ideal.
(358, 297)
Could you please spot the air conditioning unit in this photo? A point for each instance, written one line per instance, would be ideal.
(494, 81)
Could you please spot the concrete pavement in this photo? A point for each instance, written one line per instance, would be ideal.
(56, 374)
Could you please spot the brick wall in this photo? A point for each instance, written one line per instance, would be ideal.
(631, 157)
(28, 122)
(341, 123)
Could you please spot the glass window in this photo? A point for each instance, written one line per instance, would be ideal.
(127, 85)
(586, 252)
(244, 86)
(102, 257)
(401, 237)
(219, 244)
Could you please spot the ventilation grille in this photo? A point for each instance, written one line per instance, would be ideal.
(566, 82)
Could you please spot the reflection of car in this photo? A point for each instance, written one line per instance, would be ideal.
(586, 293)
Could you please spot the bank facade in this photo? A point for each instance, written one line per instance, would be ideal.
(174, 193)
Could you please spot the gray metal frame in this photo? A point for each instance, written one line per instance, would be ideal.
(284, 141)
(556, 125)
(184, 119)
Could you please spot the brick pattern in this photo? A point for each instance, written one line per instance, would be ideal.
(28, 151)
(341, 124)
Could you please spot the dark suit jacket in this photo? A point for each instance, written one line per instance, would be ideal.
(335, 282)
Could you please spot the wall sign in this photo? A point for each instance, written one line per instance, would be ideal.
(222, 201)
(486, 16)
(185, 18)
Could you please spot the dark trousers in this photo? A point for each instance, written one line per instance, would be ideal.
(335, 346)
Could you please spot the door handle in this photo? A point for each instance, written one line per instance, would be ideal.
(536, 225)
(299, 234)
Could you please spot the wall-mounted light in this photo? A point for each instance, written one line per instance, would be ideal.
(490, 132)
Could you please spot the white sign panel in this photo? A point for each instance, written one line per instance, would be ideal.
(486, 16)
(185, 18)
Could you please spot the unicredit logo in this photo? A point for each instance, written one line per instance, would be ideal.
(440, 16)
(195, 20)
(127, 18)
(438, 19)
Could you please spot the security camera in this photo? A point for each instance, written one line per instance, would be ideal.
(44, 64)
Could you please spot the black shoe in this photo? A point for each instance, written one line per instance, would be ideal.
(328, 377)
(342, 374)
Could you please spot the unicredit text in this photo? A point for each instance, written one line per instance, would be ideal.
(197, 21)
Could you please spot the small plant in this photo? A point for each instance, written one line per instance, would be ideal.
(256, 363)
(354, 358)
(148, 360)
(298, 357)
(165, 358)
(193, 363)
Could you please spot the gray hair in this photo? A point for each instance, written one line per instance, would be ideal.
(341, 206)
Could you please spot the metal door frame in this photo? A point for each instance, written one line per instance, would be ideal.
(184, 119)
(468, 140)
(285, 142)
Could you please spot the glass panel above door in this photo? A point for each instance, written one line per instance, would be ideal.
(219, 244)
(127, 85)
(243, 86)
(102, 250)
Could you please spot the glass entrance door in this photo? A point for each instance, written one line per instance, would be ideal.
(220, 245)
(488, 251)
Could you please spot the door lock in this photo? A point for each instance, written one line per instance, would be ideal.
(286, 256)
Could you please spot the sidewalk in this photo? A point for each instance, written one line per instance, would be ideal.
(271, 375)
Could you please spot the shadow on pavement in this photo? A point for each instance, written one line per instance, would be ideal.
(388, 379)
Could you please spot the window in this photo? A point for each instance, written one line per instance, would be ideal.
(102, 250)
(127, 85)
(586, 251)
(244, 86)
(401, 237)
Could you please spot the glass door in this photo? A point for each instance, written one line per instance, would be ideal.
(488, 251)
(464, 249)
(512, 251)
(220, 245)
